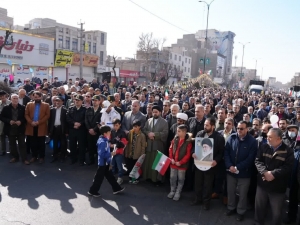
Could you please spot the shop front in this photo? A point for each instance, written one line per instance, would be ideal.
(129, 76)
(26, 57)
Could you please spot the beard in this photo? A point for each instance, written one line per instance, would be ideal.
(155, 116)
(38, 101)
(207, 131)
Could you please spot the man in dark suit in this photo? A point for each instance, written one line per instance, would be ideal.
(13, 117)
(23, 98)
(58, 129)
(92, 117)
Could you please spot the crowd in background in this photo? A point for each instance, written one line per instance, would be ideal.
(252, 156)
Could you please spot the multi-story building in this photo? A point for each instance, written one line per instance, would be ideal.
(5, 21)
(67, 38)
(219, 42)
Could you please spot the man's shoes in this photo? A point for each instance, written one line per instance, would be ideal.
(53, 160)
(13, 160)
(240, 217)
(26, 162)
(176, 196)
(96, 195)
(206, 206)
(3, 153)
(32, 160)
(171, 194)
(41, 161)
(214, 196)
(230, 212)
(196, 201)
(117, 192)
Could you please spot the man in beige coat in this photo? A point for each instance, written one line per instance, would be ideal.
(37, 114)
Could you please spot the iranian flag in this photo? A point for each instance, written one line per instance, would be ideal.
(166, 95)
(161, 163)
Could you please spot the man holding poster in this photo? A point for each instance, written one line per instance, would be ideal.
(209, 151)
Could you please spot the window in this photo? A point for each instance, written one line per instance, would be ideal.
(189, 61)
(102, 38)
(170, 56)
(89, 37)
(175, 57)
(60, 30)
(95, 38)
(185, 60)
(67, 30)
(179, 58)
(90, 47)
(60, 41)
(184, 69)
(67, 43)
(94, 48)
(182, 63)
(188, 69)
(75, 44)
(101, 57)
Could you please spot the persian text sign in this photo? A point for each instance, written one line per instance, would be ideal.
(27, 49)
(63, 58)
(88, 60)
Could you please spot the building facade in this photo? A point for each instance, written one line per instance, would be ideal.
(5, 20)
(67, 38)
(219, 42)
(28, 56)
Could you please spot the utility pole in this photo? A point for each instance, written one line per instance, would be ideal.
(235, 60)
(262, 69)
(81, 47)
(241, 75)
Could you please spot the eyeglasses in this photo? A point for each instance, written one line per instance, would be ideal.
(87, 96)
(165, 105)
(255, 124)
(239, 128)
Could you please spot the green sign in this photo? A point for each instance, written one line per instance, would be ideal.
(207, 61)
(241, 74)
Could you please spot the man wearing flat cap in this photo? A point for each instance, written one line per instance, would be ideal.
(156, 130)
(58, 128)
(4, 102)
(290, 139)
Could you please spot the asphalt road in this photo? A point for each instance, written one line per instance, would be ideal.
(56, 194)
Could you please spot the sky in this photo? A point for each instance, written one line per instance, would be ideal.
(271, 26)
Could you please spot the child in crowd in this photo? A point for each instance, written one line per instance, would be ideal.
(104, 165)
(118, 142)
(179, 153)
(135, 148)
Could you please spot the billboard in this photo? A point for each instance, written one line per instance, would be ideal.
(63, 58)
(27, 49)
(88, 60)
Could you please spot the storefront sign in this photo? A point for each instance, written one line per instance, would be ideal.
(63, 58)
(5, 70)
(21, 71)
(101, 69)
(27, 49)
(88, 60)
(41, 71)
(129, 73)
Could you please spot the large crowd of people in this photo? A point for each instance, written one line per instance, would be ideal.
(253, 158)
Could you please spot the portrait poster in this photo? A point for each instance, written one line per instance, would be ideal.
(204, 152)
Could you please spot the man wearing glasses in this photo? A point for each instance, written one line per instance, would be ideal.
(239, 156)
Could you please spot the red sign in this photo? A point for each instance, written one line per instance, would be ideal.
(4, 71)
(19, 46)
(129, 73)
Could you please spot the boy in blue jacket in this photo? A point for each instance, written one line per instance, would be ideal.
(104, 165)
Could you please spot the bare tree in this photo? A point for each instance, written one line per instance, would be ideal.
(7, 34)
(114, 67)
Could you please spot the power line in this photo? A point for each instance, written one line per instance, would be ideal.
(159, 17)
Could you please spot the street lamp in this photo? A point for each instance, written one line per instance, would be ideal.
(243, 58)
(208, 6)
(256, 67)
